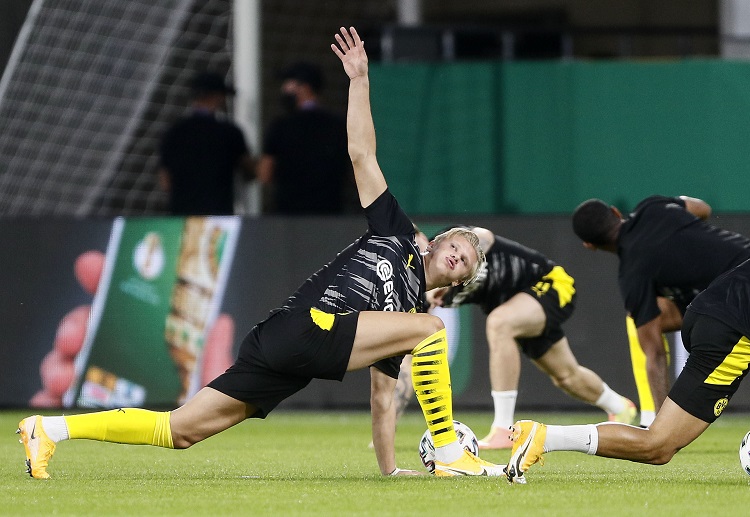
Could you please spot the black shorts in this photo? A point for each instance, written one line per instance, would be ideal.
(282, 354)
(391, 366)
(716, 365)
(556, 293)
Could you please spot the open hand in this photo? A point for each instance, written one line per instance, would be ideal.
(351, 52)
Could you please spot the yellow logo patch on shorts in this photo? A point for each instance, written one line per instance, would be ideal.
(720, 405)
(322, 319)
(560, 281)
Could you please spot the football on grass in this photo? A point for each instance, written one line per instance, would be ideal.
(745, 453)
(466, 438)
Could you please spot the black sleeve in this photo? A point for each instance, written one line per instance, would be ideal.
(386, 218)
(659, 200)
(639, 297)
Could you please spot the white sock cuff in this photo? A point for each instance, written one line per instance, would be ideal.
(594, 443)
(510, 394)
(603, 396)
(449, 453)
(610, 401)
(55, 427)
(579, 438)
(505, 408)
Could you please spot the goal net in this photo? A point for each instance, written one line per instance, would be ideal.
(87, 93)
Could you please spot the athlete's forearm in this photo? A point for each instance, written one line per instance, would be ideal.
(383, 420)
(657, 370)
(383, 440)
(361, 135)
(359, 124)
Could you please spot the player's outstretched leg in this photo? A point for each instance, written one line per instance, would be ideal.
(135, 426)
(431, 379)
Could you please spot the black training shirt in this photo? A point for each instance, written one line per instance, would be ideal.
(510, 268)
(666, 251)
(380, 271)
(311, 161)
(201, 154)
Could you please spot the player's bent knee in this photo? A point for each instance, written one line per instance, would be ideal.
(661, 456)
(432, 324)
(655, 450)
(498, 323)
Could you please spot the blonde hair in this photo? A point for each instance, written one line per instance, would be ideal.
(473, 240)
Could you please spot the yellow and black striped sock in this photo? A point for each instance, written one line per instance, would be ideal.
(432, 384)
(130, 425)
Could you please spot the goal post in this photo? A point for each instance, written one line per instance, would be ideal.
(248, 112)
(88, 91)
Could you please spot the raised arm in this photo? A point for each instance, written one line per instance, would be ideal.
(359, 124)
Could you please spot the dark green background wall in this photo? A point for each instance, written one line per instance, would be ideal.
(540, 137)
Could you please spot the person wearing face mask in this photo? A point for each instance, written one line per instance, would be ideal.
(305, 161)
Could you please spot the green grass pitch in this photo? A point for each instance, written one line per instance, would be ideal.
(304, 463)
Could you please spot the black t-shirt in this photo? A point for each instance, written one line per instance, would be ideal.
(380, 271)
(666, 251)
(312, 163)
(510, 268)
(727, 299)
(201, 153)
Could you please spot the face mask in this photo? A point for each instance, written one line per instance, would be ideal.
(289, 101)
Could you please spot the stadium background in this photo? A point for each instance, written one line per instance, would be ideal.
(617, 100)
